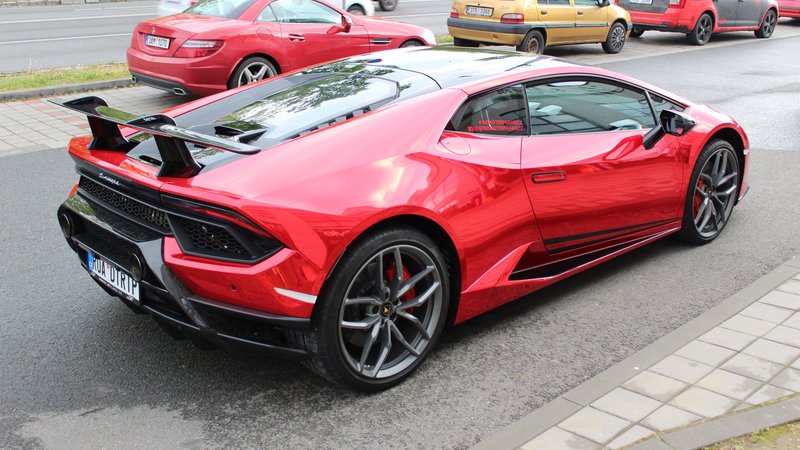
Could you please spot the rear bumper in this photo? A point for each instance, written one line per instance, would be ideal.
(165, 296)
(487, 32)
(674, 19)
(198, 76)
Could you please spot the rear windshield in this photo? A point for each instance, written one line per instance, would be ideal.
(230, 9)
(312, 105)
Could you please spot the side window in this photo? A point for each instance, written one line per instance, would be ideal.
(585, 107)
(660, 104)
(586, 3)
(304, 11)
(498, 112)
(558, 2)
(267, 15)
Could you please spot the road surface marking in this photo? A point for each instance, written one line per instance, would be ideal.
(63, 19)
(414, 15)
(64, 38)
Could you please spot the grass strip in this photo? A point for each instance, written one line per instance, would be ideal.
(15, 81)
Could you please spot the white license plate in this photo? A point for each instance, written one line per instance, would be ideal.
(641, 2)
(479, 11)
(156, 41)
(113, 276)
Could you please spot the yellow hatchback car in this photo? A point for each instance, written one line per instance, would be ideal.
(532, 25)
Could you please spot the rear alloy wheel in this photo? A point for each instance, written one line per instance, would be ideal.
(381, 311)
(255, 68)
(356, 10)
(387, 5)
(701, 33)
(637, 32)
(615, 39)
(458, 42)
(533, 43)
(712, 193)
(768, 25)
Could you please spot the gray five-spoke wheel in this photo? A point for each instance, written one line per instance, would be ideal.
(768, 25)
(703, 29)
(255, 71)
(390, 311)
(714, 193)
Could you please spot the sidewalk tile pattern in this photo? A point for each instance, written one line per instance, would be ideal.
(749, 359)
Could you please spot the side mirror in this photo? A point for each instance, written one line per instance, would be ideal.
(671, 122)
(603, 2)
(347, 23)
(675, 123)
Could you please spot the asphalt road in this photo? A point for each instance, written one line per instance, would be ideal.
(41, 37)
(78, 370)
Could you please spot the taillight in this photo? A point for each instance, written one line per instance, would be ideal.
(678, 3)
(512, 18)
(198, 49)
(453, 13)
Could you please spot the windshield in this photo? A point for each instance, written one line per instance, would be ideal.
(230, 9)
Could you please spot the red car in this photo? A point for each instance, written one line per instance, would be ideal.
(218, 45)
(789, 8)
(700, 18)
(344, 214)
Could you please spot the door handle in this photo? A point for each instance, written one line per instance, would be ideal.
(296, 37)
(548, 177)
(543, 12)
(580, 13)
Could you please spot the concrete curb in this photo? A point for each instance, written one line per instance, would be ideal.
(544, 418)
(67, 89)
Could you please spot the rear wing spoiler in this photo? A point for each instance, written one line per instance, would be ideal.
(177, 160)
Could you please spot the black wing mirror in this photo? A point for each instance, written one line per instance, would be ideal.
(675, 123)
(672, 122)
(603, 2)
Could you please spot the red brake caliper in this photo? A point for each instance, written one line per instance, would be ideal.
(697, 198)
(390, 274)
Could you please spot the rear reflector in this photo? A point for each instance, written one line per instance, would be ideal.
(512, 18)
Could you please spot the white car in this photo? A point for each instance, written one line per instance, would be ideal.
(356, 7)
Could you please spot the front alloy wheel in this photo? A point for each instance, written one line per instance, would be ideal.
(380, 312)
(615, 39)
(768, 25)
(712, 194)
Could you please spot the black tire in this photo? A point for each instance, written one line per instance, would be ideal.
(356, 10)
(387, 5)
(637, 32)
(615, 39)
(239, 76)
(701, 33)
(712, 193)
(458, 42)
(353, 319)
(767, 25)
(411, 43)
(533, 43)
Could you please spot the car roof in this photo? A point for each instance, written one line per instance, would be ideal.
(450, 66)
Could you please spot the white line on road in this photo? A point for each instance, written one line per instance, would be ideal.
(62, 19)
(64, 38)
(132, 7)
(414, 15)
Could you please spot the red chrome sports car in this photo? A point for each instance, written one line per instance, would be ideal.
(700, 18)
(217, 45)
(344, 214)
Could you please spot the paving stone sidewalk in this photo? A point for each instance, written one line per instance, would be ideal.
(743, 353)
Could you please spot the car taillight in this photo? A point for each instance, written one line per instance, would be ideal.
(453, 13)
(678, 3)
(198, 49)
(512, 18)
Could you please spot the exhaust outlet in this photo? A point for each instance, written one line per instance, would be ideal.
(178, 91)
(134, 80)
